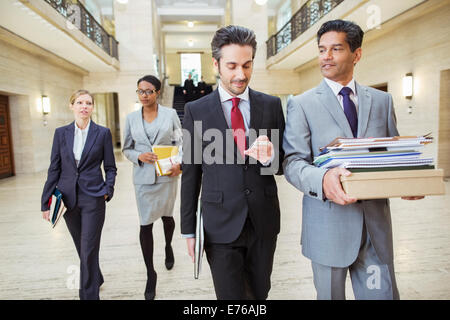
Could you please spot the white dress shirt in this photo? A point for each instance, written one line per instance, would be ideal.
(337, 87)
(79, 141)
(227, 105)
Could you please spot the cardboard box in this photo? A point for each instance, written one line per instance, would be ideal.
(391, 184)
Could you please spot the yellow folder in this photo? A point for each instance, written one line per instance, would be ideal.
(167, 157)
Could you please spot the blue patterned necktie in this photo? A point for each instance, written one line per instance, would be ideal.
(350, 110)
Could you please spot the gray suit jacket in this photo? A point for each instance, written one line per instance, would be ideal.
(331, 233)
(135, 141)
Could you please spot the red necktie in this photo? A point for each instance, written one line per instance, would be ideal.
(237, 124)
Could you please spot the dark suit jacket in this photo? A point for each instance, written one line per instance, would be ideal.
(64, 173)
(189, 86)
(201, 86)
(229, 191)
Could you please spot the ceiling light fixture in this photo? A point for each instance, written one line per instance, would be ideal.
(261, 2)
(190, 24)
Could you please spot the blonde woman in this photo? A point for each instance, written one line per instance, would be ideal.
(78, 151)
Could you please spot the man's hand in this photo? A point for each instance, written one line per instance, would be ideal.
(261, 149)
(148, 157)
(191, 247)
(175, 170)
(413, 198)
(184, 91)
(46, 215)
(332, 187)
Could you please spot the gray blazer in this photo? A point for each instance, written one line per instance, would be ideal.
(135, 141)
(331, 233)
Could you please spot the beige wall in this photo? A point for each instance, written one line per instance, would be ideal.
(415, 42)
(25, 76)
(173, 68)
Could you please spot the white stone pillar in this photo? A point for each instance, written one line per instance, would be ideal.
(135, 34)
(248, 14)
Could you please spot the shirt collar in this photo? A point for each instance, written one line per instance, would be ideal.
(82, 130)
(225, 96)
(336, 87)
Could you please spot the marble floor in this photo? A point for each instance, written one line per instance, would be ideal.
(38, 262)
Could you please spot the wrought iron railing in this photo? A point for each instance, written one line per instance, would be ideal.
(78, 16)
(302, 20)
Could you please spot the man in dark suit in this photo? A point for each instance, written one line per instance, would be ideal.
(201, 88)
(240, 205)
(189, 89)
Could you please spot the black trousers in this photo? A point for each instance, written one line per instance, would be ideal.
(242, 269)
(85, 224)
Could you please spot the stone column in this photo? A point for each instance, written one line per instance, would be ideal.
(253, 16)
(134, 31)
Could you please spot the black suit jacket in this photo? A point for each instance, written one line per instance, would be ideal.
(229, 191)
(64, 173)
(189, 86)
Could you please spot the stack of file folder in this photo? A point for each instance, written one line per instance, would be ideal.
(375, 154)
(383, 167)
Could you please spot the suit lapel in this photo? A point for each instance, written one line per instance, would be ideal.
(90, 139)
(218, 117)
(69, 137)
(138, 121)
(256, 110)
(331, 104)
(364, 105)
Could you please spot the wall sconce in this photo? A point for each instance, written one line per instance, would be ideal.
(137, 105)
(190, 43)
(46, 105)
(408, 86)
(190, 24)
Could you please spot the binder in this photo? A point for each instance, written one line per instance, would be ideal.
(57, 207)
(199, 241)
(167, 157)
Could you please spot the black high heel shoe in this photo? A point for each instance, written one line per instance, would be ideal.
(150, 288)
(170, 259)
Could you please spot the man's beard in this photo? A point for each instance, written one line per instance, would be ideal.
(229, 85)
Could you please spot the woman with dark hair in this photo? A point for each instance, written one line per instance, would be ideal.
(78, 151)
(152, 125)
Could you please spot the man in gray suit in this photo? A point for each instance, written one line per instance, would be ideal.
(340, 233)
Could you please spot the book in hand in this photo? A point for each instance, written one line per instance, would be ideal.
(167, 157)
(57, 208)
(199, 239)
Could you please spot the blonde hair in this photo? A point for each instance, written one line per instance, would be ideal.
(78, 93)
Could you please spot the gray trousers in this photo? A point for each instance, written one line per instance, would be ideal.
(371, 279)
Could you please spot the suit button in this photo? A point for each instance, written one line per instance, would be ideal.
(313, 194)
(246, 167)
(247, 192)
(77, 174)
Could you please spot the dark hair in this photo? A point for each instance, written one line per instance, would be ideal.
(232, 35)
(354, 34)
(151, 79)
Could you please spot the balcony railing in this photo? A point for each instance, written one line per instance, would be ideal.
(302, 20)
(78, 16)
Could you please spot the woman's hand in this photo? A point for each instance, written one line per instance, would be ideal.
(175, 170)
(148, 157)
(46, 215)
